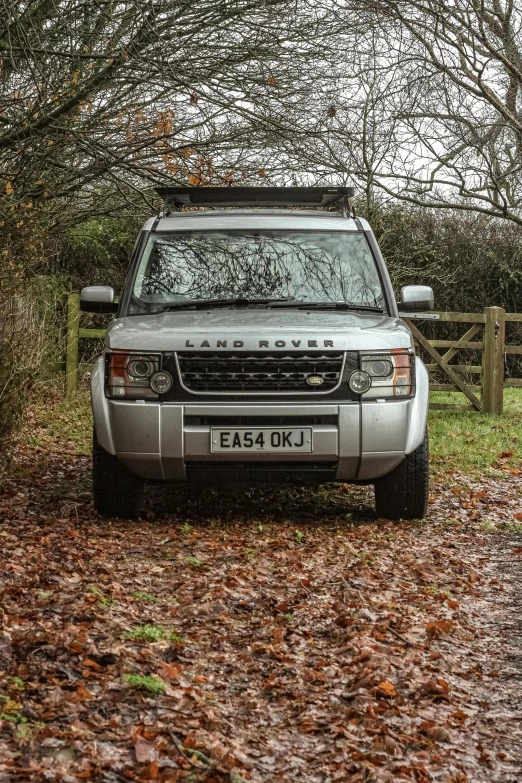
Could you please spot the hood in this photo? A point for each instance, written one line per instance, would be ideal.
(252, 329)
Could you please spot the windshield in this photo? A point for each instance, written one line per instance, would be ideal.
(295, 265)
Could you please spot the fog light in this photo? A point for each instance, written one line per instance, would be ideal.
(161, 382)
(359, 381)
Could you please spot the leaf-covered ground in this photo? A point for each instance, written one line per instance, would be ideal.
(256, 634)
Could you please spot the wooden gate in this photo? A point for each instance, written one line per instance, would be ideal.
(486, 334)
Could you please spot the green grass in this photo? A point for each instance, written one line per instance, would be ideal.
(103, 600)
(472, 441)
(146, 633)
(152, 633)
(149, 683)
(140, 596)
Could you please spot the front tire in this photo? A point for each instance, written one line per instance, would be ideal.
(403, 493)
(116, 491)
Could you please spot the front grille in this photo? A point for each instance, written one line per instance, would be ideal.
(293, 473)
(288, 420)
(259, 372)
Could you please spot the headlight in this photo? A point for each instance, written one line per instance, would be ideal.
(141, 368)
(391, 373)
(378, 367)
(129, 375)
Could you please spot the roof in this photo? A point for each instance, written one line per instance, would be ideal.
(290, 219)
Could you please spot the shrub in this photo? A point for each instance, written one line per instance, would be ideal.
(29, 334)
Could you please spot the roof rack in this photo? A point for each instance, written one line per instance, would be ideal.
(328, 198)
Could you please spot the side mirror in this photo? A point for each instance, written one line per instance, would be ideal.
(416, 297)
(98, 299)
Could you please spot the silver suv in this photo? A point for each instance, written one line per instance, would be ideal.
(257, 339)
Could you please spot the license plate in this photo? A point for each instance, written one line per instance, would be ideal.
(228, 440)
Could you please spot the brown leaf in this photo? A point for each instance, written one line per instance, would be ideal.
(91, 664)
(145, 751)
(459, 715)
(438, 733)
(392, 746)
(278, 635)
(434, 688)
(171, 671)
(439, 627)
(150, 772)
(81, 694)
(387, 688)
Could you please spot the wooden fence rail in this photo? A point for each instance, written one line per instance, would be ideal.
(487, 334)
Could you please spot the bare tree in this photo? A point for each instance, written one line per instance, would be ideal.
(455, 101)
(418, 100)
(99, 99)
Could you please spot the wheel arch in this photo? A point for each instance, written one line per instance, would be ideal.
(419, 408)
(100, 407)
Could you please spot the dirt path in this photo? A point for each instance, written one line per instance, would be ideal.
(296, 637)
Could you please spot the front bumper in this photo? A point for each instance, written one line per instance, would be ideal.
(351, 442)
(159, 441)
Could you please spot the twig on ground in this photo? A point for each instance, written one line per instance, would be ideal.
(181, 750)
(403, 638)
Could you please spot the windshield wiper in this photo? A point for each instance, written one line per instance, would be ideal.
(237, 302)
(328, 306)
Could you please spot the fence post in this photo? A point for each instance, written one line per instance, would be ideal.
(71, 357)
(493, 360)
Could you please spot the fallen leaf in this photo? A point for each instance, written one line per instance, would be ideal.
(439, 734)
(439, 627)
(145, 751)
(434, 688)
(171, 671)
(387, 688)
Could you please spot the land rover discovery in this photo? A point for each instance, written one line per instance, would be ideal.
(258, 339)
